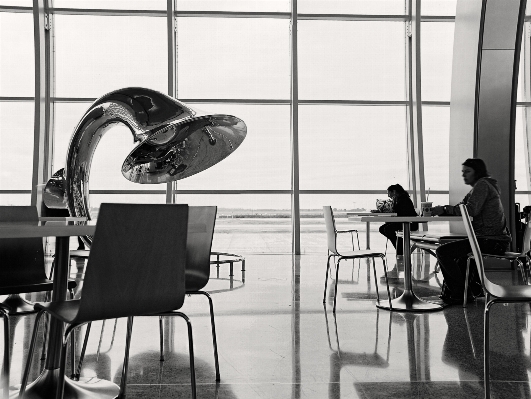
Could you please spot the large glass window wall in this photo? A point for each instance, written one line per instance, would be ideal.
(349, 134)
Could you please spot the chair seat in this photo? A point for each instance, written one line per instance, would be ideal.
(362, 253)
(509, 293)
(22, 285)
(347, 231)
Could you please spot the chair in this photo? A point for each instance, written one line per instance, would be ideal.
(331, 233)
(127, 275)
(201, 221)
(510, 256)
(327, 209)
(494, 293)
(22, 270)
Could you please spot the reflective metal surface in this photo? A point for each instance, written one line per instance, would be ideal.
(175, 142)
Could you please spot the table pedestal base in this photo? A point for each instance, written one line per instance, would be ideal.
(409, 302)
(45, 385)
(18, 305)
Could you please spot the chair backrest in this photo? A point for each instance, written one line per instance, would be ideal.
(201, 221)
(136, 262)
(330, 223)
(21, 259)
(473, 243)
(526, 244)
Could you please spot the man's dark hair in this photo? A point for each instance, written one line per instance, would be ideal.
(478, 165)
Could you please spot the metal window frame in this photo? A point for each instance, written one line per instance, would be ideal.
(45, 98)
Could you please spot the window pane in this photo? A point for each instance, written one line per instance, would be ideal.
(352, 148)
(248, 223)
(520, 173)
(17, 73)
(235, 5)
(96, 54)
(387, 7)
(262, 162)
(15, 199)
(112, 4)
(18, 3)
(437, 41)
(439, 7)
(233, 58)
(345, 60)
(436, 136)
(16, 145)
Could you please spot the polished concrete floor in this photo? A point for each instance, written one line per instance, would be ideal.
(277, 340)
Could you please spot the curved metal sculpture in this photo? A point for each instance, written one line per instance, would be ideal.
(175, 142)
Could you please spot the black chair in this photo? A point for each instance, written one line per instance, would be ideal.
(135, 268)
(201, 221)
(22, 270)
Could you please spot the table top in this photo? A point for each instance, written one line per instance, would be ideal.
(385, 214)
(23, 230)
(419, 219)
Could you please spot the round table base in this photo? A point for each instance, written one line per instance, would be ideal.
(45, 385)
(409, 302)
(18, 305)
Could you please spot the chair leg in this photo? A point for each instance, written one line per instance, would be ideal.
(161, 334)
(357, 238)
(465, 295)
(25, 376)
(77, 374)
(375, 281)
(213, 326)
(486, 346)
(335, 290)
(387, 283)
(7, 360)
(190, 350)
(123, 381)
(62, 367)
(326, 277)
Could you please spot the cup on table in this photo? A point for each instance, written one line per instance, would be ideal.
(426, 208)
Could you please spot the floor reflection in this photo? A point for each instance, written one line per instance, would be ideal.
(276, 340)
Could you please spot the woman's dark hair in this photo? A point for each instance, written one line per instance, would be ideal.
(478, 165)
(398, 188)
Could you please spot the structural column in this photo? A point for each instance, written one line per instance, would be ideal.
(483, 102)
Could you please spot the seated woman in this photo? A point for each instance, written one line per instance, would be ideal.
(488, 220)
(402, 206)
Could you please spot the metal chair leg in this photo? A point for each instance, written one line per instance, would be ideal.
(123, 380)
(486, 346)
(387, 283)
(375, 281)
(25, 376)
(214, 338)
(77, 374)
(326, 278)
(191, 352)
(7, 360)
(161, 334)
(465, 295)
(335, 290)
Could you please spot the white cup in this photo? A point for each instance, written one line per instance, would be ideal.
(426, 208)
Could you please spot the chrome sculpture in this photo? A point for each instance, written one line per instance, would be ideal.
(175, 142)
